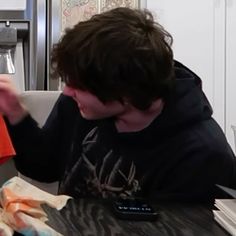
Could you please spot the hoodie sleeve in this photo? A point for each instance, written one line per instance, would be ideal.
(41, 151)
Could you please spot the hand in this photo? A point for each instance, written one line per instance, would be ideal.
(10, 104)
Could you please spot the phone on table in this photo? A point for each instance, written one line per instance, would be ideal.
(134, 209)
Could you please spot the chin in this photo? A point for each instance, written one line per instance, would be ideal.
(92, 117)
(88, 117)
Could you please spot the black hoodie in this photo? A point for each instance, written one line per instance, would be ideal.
(181, 155)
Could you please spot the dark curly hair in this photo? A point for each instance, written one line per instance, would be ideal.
(121, 53)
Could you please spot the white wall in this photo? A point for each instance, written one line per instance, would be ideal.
(198, 31)
(204, 33)
(230, 111)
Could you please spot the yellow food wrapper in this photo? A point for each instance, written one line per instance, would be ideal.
(21, 208)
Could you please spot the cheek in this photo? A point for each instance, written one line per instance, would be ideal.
(88, 99)
(93, 103)
(68, 91)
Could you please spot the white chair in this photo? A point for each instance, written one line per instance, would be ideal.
(234, 130)
(40, 104)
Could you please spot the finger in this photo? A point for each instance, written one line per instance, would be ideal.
(7, 88)
(5, 78)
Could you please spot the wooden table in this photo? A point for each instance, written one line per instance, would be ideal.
(89, 217)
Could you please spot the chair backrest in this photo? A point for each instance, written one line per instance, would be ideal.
(40, 103)
(234, 130)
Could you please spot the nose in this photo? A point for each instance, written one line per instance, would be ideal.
(68, 91)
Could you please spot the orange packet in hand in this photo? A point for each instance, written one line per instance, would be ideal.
(6, 147)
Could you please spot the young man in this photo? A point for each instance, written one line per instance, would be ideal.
(131, 121)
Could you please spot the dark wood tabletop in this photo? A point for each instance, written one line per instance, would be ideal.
(91, 217)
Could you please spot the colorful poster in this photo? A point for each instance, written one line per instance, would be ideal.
(110, 4)
(74, 11)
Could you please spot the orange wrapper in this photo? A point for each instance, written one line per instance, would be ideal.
(6, 147)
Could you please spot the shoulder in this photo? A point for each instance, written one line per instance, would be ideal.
(66, 103)
(64, 113)
(67, 112)
(65, 108)
(211, 139)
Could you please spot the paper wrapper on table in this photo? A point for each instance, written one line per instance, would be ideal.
(21, 208)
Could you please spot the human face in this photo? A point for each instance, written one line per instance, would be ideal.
(91, 107)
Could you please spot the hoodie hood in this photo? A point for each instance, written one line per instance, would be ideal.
(187, 104)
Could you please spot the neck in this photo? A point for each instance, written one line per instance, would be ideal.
(133, 120)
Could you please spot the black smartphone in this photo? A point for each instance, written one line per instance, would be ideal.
(134, 209)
